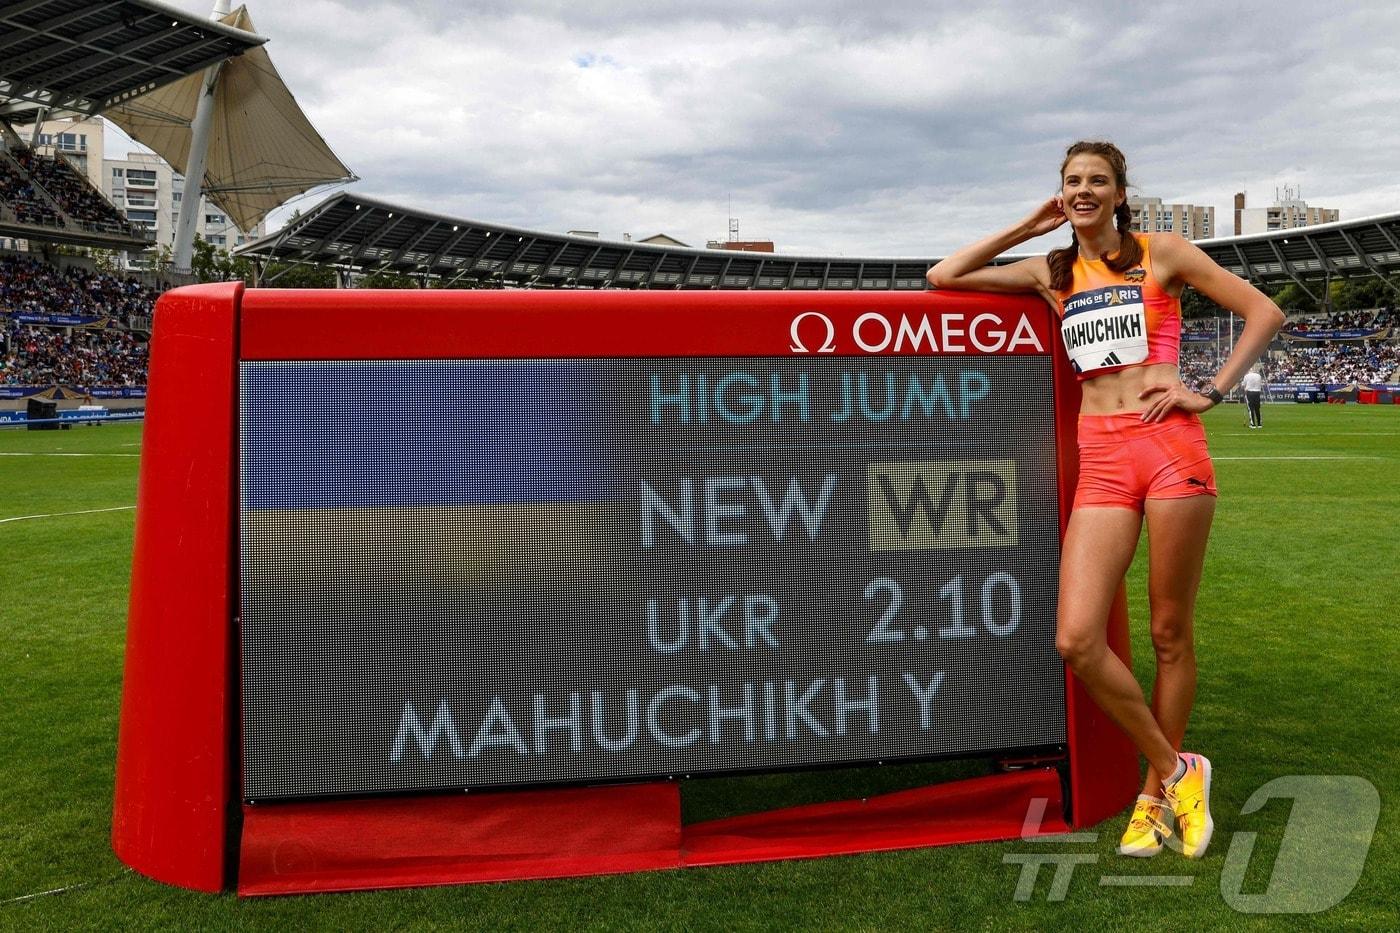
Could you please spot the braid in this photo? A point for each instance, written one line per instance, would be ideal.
(1062, 264)
(1129, 249)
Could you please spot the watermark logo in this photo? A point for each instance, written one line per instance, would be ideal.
(1320, 858)
(1323, 850)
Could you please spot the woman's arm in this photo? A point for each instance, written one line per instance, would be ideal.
(967, 268)
(1176, 260)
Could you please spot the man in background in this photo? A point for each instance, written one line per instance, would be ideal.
(1253, 385)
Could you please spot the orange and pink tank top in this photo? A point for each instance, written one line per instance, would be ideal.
(1112, 320)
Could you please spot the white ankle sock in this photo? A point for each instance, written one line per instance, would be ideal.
(1176, 775)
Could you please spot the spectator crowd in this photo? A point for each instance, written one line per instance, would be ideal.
(1198, 365)
(1315, 361)
(1338, 320)
(1331, 364)
(1365, 363)
(32, 354)
(28, 286)
(89, 356)
(111, 355)
(18, 194)
(71, 192)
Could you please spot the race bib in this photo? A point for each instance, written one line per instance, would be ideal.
(1105, 327)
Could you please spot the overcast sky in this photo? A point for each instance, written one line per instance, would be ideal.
(888, 128)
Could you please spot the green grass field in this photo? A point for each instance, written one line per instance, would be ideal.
(1298, 647)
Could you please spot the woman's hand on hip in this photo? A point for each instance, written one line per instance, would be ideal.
(1168, 395)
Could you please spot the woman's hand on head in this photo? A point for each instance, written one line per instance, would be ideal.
(1046, 217)
(1168, 395)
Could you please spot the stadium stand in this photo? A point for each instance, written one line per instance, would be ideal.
(70, 327)
(1367, 364)
(44, 198)
(1332, 364)
(66, 58)
(1198, 365)
(72, 192)
(1337, 320)
(18, 194)
(29, 286)
(85, 357)
(64, 325)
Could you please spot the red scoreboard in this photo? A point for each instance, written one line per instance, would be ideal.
(564, 551)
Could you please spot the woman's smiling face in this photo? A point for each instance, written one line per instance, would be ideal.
(1089, 191)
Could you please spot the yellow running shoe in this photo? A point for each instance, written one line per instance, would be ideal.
(1147, 830)
(1189, 798)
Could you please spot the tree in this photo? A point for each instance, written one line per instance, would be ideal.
(208, 263)
(1362, 293)
(106, 261)
(202, 260)
(1194, 305)
(1291, 297)
(162, 258)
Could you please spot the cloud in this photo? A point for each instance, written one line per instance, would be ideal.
(902, 129)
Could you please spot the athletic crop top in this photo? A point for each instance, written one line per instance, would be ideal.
(1112, 320)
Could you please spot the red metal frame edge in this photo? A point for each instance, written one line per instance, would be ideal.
(175, 747)
(290, 324)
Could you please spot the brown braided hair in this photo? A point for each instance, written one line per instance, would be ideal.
(1129, 250)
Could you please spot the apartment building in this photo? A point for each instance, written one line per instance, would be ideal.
(1288, 212)
(1192, 221)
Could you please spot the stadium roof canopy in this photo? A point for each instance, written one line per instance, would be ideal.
(262, 148)
(71, 57)
(358, 234)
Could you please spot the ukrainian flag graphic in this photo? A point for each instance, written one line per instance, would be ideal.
(471, 472)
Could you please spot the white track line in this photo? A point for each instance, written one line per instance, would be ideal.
(35, 453)
(30, 897)
(1298, 458)
(72, 887)
(1268, 433)
(22, 518)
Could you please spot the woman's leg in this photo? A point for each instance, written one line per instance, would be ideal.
(1177, 530)
(1098, 548)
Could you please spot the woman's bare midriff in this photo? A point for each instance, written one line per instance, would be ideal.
(1117, 392)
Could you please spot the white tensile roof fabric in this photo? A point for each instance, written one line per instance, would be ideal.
(263, 150)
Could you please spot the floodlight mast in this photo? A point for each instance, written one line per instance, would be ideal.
(194, 166)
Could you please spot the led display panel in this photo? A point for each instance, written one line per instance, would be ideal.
(513, 572)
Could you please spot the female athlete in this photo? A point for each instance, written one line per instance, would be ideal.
(1142, 450)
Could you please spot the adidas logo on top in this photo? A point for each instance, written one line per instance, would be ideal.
(1111, 360)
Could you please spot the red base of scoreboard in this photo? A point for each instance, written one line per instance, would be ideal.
(178, 816)
(302, 848)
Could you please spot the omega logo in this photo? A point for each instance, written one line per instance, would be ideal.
(953, 332)
(828, 345)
